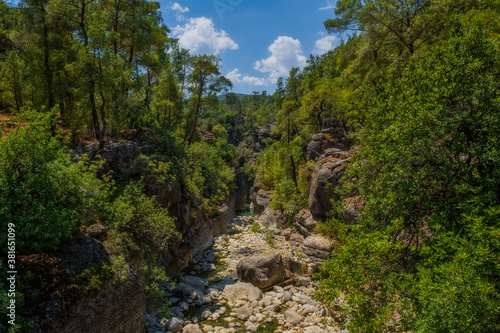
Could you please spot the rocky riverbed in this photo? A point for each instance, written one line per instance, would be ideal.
(209, 296)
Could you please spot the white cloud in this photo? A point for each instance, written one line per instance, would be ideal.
(178, 7)
(286, 53)
(236, 77)
(324, 44)
(330, 5)
(200, 36)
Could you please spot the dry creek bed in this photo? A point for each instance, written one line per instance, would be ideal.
(208, 297)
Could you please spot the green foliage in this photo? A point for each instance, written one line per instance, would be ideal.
(42, 191)
(138, 223)
(209, 171)
(93, 278)
(425, 254)
(151, 276)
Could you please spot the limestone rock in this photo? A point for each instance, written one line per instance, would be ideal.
(318, 242)
(242, 291)
(261, 271)
(350, 211)
(192, 328)
(174, 325)
(323, 186)
(269, 219)
(292, 317)
(194, 281)
(260, 200)
(244, 312)
(303, 281)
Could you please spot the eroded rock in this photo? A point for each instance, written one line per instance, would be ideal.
(261, 271)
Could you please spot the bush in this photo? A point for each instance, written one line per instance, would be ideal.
(42, 191)
(138, 223)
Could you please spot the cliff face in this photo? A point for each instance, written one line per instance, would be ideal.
(331, 150)
(199, 236)
(55, 297)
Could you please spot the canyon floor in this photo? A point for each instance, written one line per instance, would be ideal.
(209, 297)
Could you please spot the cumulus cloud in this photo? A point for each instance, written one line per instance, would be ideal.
(200, 36)
(236, 77)
(286, 53)
(179, 8)
(324, 44)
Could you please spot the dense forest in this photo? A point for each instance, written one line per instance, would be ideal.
(416, 85)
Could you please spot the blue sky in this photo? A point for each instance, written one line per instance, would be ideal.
(257, 40)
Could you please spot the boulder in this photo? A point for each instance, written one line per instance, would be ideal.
(303, 281)
(261, 271)
(174, 325)
(323, 186)
(317, 246)
(184, 289)
(350, 210)
(318, 242)
(242, 291)
(304, 222)
(194, 281)
(260, 199)
(292, 265)
(269, 219)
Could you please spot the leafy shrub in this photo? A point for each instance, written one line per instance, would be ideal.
(138, 223)
(42, 191)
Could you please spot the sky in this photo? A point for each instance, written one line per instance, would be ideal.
(257, 40)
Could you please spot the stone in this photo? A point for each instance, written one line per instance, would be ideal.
(292, 317)
(303, 281)
(244, 312)
(287, 296)
(184, 289)
(210, 257)
(323, 187)
(318, 137)
(196, 282)
(261, 271)
(191, 328)
(351, 208)
(242, 291)
(206, 314)
(318, 242)
(260, 200)
(305, 219)
(184, 306)
(313, 329)
(308, 308)
(268, 300)
(292, 265)
(269, 219)
(174, 325)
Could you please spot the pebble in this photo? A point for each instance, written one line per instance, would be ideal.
(301, 312)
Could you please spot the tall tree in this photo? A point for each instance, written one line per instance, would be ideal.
(206, 81)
